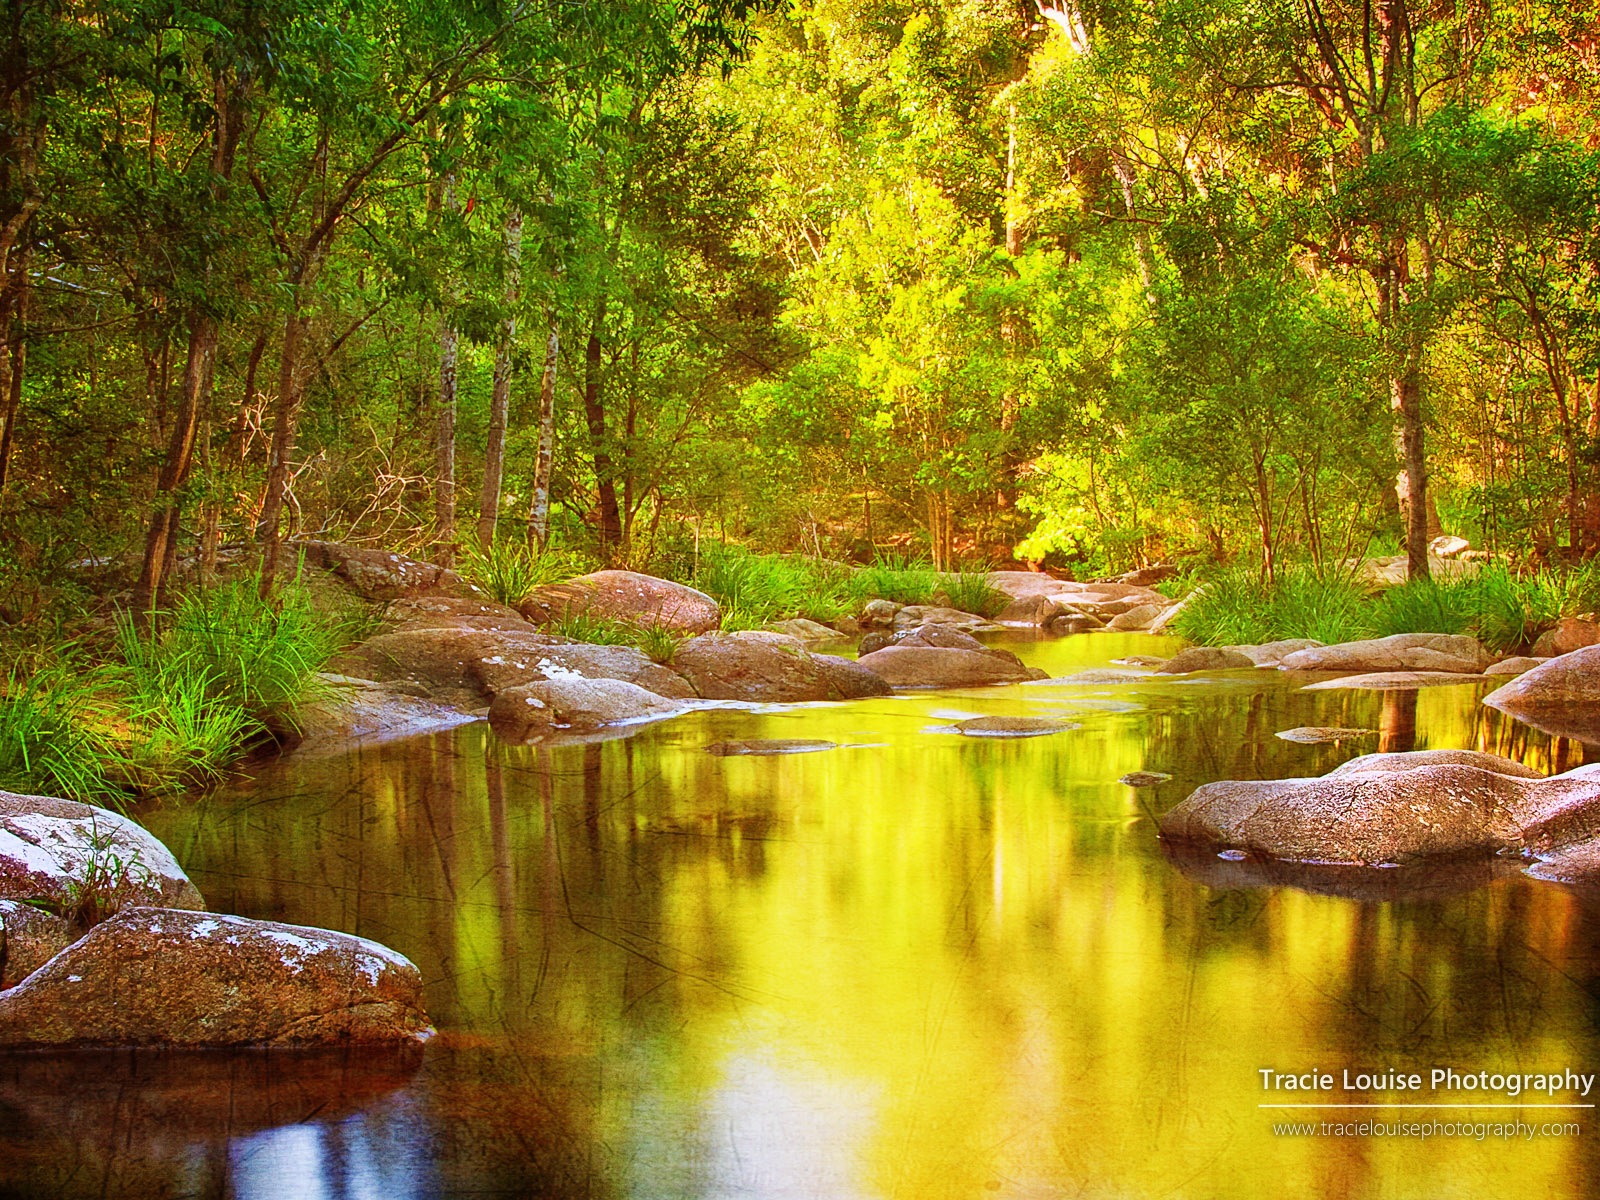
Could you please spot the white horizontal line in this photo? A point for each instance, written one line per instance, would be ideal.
(1424, 1106)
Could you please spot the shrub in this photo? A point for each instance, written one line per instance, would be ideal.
(971, 591)
(659, 644)
(1237, 608)
(509, 572)
(1427, 606)
(48, 746)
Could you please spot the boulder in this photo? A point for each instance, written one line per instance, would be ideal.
(29, 938)
(1386, 808)
(365, 712)
(950, 638)
(878, 613)
(1393, 681)
(913, 615)
(1516, 665)
(1148, 576)
(380, 575)
(1205, 658)
(51, 849)
(1578, 863)
(770, 668)
(1138, 618)
(805, 630)
(933, 666)
(169, 977)
(1168, 615)
(1398, 652)
(573, 703)
(1069, 623)
(634, 598)
(581, 660)
(1272, 654)
(1561, 696)
(1035, 610)
(1019, 585)
(454, 612)
(1012, 727)
(764, 747)
(1448, 546)
(1570, 633)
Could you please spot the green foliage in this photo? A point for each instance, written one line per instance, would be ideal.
(971, 591)
(1236, 607)
(596, 631)
(104, 882)
(1428, 606)
(509, 572)
(897, 578)
(49, 744)
(659, 644)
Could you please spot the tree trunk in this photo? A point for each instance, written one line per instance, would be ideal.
(444, 446)
(285, 417)
(494, 454)
(14, 353)
(594, 413)
(1405, 390)
(539, 509)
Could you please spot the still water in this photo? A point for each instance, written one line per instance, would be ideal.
(918, 966)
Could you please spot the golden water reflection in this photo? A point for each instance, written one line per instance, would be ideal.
(919, 966)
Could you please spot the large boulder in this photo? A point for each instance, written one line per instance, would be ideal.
(365, 712)
(169, 977)
(455, 612)
(913, 615)
(1139, 617)
(65, 854)
(1386, 808)
(1205, 658)
(932, 666)
(1398, 652)
(1272, 654)
(636, 599)
(381, 575)
(1570, 633)
(1561, 696)
(500, 671)
(573, 703)
(1393, 681)
(29, 938)
(762, 667)
(1035, 610)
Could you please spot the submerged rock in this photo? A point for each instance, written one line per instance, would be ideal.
(1317, 735)
(766, 746)
(50, 849)
(1145, 779)
(932, 666)
(770, 668)
(29, 938)
(1561, 696)
(1399, 652)
(364, 712)
(1393, 681)
(1205, 658)
(1011, 727)
(532, 709)
(1386, 808)
(1099, 675)
(169, 977)
(629, 596)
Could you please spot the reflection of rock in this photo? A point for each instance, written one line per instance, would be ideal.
(29, 937)
(156, 1124)
(1561, 696)
(770, 668)
(1393, 681)
(629, 596)
(1012, 726)
(766, 746)
(49, 846)
(1316, 735)
(1206, 658)
(1144, 779)
(1099, 675)
(161, 976)
(930, 666)
(532, 709)
(1399, 652)
(1417, 881)
(1385, 808)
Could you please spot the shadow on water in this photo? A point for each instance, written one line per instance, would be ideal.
(917, 966)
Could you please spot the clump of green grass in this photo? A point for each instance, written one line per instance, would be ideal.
(510, 572)
(1428, 606)
(1236, 607)
(596, 631)
(897, 578)
(971, 591)
(658, 643)
(49, 743)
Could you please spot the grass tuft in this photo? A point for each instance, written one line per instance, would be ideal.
(971, 591)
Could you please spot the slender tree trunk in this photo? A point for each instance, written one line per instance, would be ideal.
(285, 417)
(594, 413)
(14, 352)
(494, 455)
(544, 464)
(444, 445)
(1405, 390)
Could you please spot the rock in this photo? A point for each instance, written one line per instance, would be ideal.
(573, 703)
(1147, 576)
(1386, 808)
(930, 666)
(1393, 681)
(913, 615)
(806, 631)
(1073, 623)
(1448, 546)
(878, 613)
(1138, 618)
(1168, 615)
(1272, 654)
(1036, 610)
(1146, 661)
(875, 639)
(769, 668)
(380, 575)
(1578, 863)
(50, 848)
(1570, 633)
(1145, 779)
(631, 665)
(1100, 675)
(1516, 665)
(365, 712)
(768, 746)
(1390, 571)
(1561, 696)
(1021, 584)
(169, 977)
(29, 937)
(636, 599)
(1205, 658)
(1012, 727)
(1398, 652)
(453, 612)
(948, 637)
(1317, 735)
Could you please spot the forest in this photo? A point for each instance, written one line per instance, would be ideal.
(1081, 286)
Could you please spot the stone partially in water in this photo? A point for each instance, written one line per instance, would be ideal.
(1561, 696)
(1145, 779)
(534, 709)
(997, 727)
(1316, 735)
(1206, 658)
(171, 977)
(1420, 652)
(1393, 681)
(770, 668)
(930, 666)
(765, 746)
(29, 938)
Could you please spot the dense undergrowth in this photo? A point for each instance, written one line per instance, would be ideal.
(162, 710)
(1505, 610)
